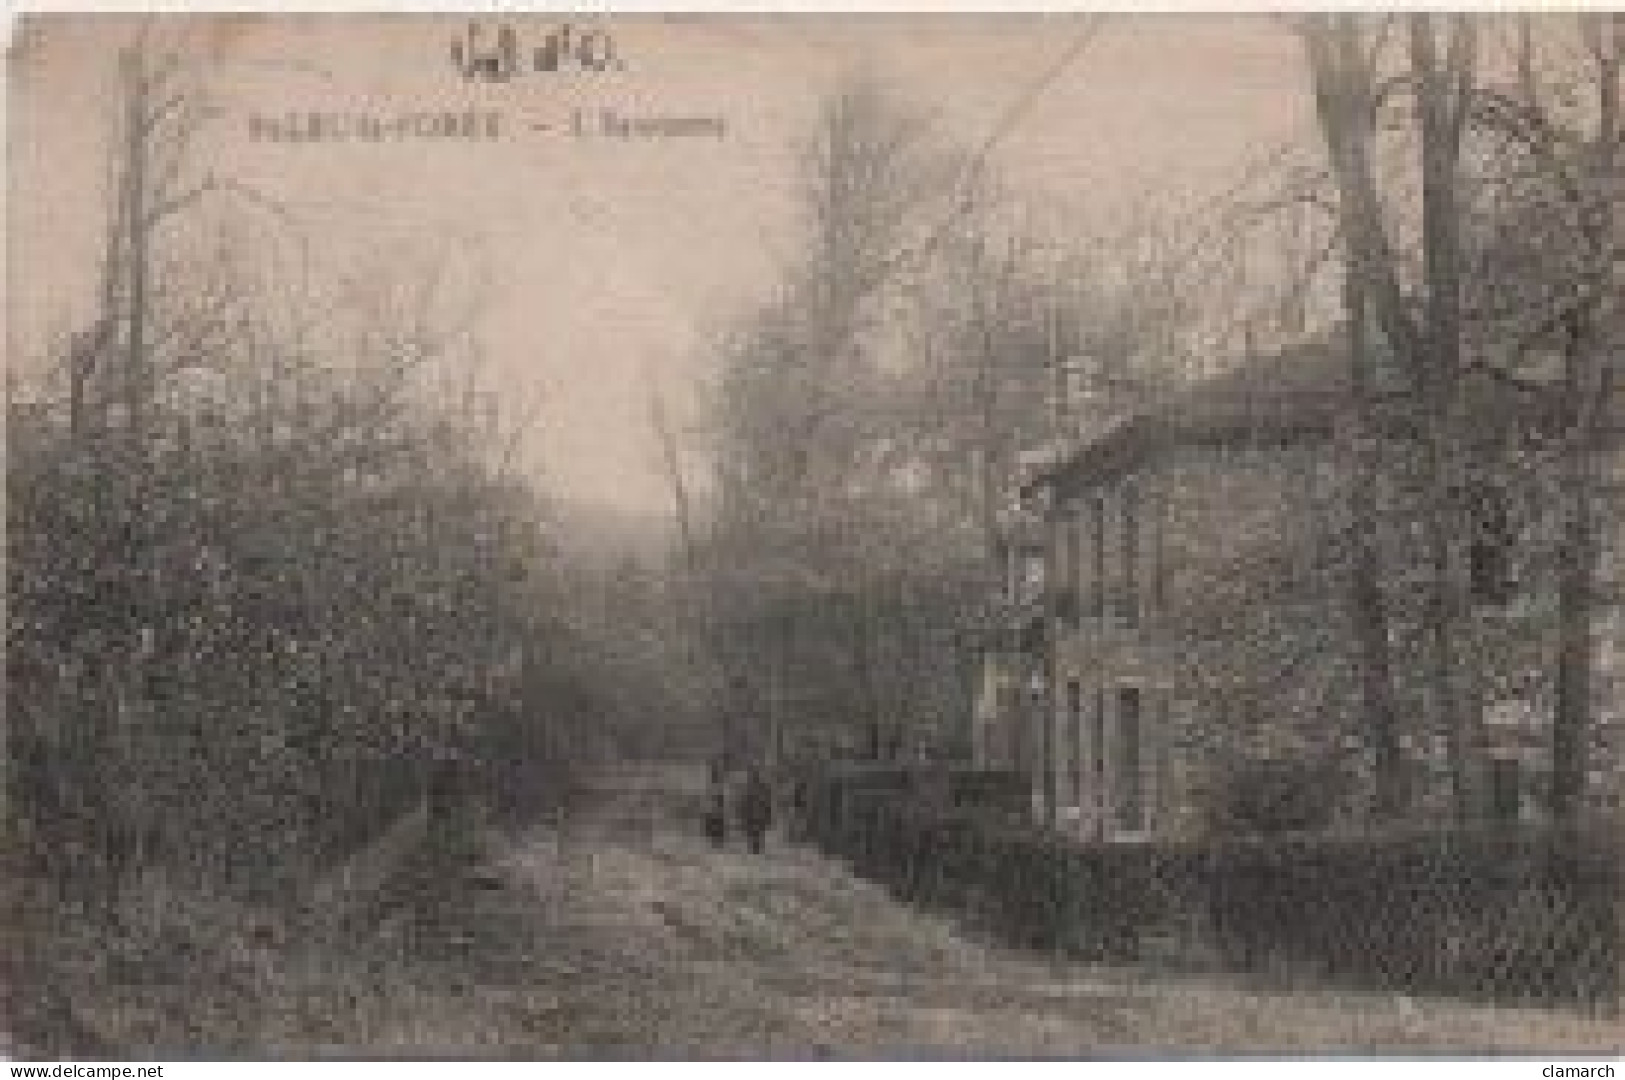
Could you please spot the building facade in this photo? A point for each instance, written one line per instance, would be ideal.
(1177, 618)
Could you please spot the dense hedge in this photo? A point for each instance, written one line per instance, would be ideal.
(1524, 915)
(1029, 888)
(238, 657)
(1519, 914)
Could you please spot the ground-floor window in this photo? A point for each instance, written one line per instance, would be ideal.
(1003, 744)
(1128, 788)
(1072, 724)
(1097, 751)
(1506, 789)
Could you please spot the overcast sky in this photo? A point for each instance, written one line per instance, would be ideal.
(608, 258)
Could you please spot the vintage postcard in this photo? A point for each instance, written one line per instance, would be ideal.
(813, 535)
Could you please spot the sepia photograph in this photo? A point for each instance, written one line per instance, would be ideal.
(794, 536)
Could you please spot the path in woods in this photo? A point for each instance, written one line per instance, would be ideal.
(689, 950)
(619, 932)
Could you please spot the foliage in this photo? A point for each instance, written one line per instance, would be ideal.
(1513, 915)
(834, 571)
(1520, 915)
(1030, 888)
(1270, 796)
(272, 583)
(1475, 176)
(246, 654)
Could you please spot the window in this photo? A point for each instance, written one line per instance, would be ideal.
(1063, 592)
(1059, 575)
(1129, 607)
(1032, 577)
(1072, 792)
(1077, 534)
(1506, 790)
(1489, 553)
(1157, 518)
(993, 732)
(1082, 558)
(1609, 563)
(1016, 729)
(1097, 750)
(1129, 783)
(1011, 561)
(1097, 512)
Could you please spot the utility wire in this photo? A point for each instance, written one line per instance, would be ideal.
(1001, 128)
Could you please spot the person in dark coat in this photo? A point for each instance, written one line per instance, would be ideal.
(756, 809)
(716, 808)
(800, 818)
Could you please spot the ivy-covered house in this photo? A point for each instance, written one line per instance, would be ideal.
(1177, 640)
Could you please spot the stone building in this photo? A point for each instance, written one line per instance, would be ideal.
(1176, 612)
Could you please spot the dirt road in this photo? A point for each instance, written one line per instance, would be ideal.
(620, 932)
(687, 950)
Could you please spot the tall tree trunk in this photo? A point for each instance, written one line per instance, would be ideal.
(1576, 561)
(1369, 608)
(135, 193)
(1344, 93)
(985, 387)
(1587, 388)
(1443, 84)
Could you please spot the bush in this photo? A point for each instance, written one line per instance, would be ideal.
(1026, 887)
(1269, 797)
(1524, 915)
(239, 659)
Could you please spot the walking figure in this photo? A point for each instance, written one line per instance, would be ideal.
(716, 809)
(756, 809)
(800, 824)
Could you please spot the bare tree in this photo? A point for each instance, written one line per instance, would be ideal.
(1422, 323)
(1562, 169)
(1345, 95)
(811, 458)
(1512, 248)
